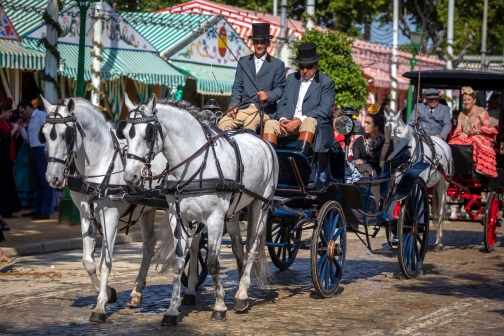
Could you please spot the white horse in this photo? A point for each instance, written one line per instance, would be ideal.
(94, 151)
(181, 136)
(394, 120)
(433, 176)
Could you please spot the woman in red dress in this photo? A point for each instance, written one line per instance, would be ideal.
(474, 128)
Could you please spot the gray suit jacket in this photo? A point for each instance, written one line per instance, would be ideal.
(436, 123)
(318, 103)
(271, 79)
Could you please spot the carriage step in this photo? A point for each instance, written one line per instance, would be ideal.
(382, 251)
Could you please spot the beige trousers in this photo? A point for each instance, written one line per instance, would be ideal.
(246, 117)
(273, 127)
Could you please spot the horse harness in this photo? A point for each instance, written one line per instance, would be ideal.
(76, 181)
(193, 185)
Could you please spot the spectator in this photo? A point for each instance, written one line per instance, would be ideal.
(43, 192)
(9, 200)
(494, 109)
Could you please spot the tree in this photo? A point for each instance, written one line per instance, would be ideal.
(337, 63)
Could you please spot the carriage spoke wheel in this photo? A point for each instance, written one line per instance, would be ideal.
(490, 221)
(278, 233)
(202, 268)
(413, 230)
(328, 249)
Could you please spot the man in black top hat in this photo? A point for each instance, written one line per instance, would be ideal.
(434, 117)
(264, 75)
(307, 104)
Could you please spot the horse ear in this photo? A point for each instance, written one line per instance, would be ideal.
(128, 102)
(70, 105)
(48, 106)
(153, 102)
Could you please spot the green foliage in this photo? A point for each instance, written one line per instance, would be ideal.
(335, 51)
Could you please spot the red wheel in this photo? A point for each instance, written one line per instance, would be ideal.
(490, 221)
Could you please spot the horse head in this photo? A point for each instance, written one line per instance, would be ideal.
(59, 133)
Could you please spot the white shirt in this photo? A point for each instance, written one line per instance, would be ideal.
(259, 62)
(488, 95)
(298, 112)
(38, 118)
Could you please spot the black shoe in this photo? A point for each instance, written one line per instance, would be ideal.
(30, 214)
(40, 217)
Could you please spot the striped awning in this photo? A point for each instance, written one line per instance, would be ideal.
(206, 83)
(16, 56)
(140, 66)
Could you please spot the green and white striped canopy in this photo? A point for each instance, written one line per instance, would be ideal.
(141, 66)
(205, 82)
(16, 56)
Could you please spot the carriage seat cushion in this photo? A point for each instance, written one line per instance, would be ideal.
(463, 158)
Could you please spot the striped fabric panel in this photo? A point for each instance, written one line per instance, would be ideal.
(15, 56)
(205, 81)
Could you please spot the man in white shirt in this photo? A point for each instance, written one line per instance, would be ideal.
(44, 205)
(306, 105)
(260, 76)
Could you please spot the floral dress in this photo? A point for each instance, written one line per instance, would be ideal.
(480, 133)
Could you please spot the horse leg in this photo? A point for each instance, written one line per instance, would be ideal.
(170, 315)
(233, 229)
(256, 255)
(439, 200)
(193, 272)
(148, 244)
(88, 247)
(215, 225)
(109, 219)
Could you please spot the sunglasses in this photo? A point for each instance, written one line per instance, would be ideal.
(307, 67)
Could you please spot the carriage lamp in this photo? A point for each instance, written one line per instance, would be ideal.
(213, 107)
(346, 124)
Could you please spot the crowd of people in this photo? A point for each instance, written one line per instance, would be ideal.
(23, 165)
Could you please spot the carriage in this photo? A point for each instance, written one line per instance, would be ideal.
(467, 186)
(312, 195)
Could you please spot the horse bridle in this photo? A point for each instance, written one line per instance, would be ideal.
(151, 133)
(70, 134)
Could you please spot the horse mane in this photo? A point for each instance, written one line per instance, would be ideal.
(95, 117)
(184, 106)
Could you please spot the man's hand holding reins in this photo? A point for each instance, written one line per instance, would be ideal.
(262, 95)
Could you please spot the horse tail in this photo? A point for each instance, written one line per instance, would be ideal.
(256, 235)
(165, 251)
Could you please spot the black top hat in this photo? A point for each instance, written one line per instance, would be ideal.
(260, 31)
(307, 53)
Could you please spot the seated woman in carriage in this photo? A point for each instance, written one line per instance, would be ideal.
(371, 149)
(474, 128)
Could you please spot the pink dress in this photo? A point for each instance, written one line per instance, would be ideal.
(481, 134)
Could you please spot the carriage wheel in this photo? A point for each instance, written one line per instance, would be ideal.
(202, 263)
(328, 249)
(413, 230)
(490, 221)
(282, 256)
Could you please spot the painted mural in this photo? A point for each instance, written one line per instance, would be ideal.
(7, 31)
(117, 33)
(209, 48)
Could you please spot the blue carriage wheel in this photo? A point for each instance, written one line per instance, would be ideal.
(328, 249)
(281, 246)
(202, 269)
(413, 230)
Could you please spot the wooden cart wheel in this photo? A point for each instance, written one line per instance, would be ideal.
(278, 233)
(328, 249)
(490, 221)
(202, 263)
(413, 230)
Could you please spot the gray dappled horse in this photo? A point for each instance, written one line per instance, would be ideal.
(176, 129)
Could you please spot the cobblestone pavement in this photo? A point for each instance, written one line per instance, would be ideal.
(460, 293)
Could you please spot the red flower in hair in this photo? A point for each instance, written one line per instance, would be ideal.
(9, 101)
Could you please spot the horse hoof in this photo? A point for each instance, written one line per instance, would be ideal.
(189, 300)
(98, 317)
(113, 296)
(438, 248)
(240, 305)
(169, 320)
(134, 301)
(219, 315)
